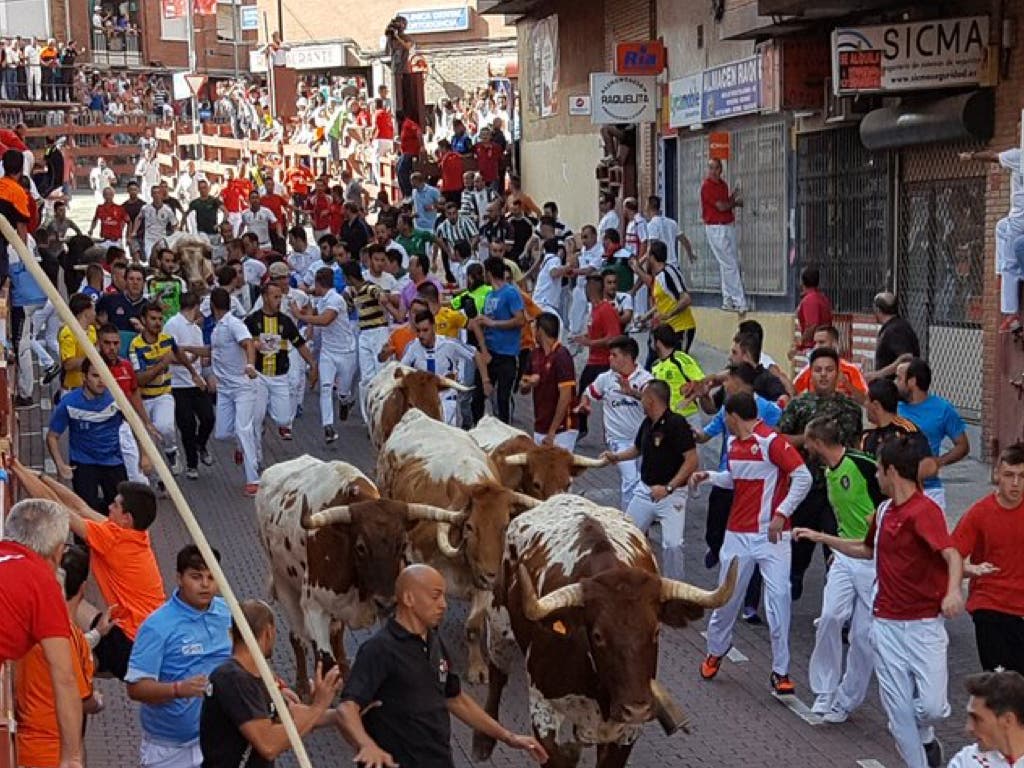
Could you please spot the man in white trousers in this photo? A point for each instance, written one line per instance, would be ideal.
(443, 357)
(279, 274)
(339, 361)
(375, 307)
(233, 362)
(995, 718)
(668, 458)
(590, 261)
(619, 390)
(717, 211)
(919, 574)
(853, 494)
(769, 480)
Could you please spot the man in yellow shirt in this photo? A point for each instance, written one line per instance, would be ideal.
(71, 352)
(672, 303)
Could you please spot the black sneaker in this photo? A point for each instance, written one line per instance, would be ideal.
(933, 753)
(23, 402)
(51, 373)
(343, 411)
(330, 435)
(205, 457)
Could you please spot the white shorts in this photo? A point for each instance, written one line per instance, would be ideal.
(154, 753)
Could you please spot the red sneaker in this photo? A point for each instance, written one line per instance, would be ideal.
(710, 666)
(782, 685)
(251, 489)
(285, 433)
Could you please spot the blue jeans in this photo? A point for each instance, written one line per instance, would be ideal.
(404, 172)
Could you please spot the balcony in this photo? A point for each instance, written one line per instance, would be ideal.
(115, 49)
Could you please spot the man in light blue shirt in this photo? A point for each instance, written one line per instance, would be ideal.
(425, 200)
(935, 417)
(175, 650)
(502, 321)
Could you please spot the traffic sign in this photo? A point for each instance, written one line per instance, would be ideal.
(195, 82)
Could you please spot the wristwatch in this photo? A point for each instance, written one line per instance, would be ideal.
(670, 488)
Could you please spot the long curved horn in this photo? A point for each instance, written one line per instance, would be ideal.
(680, 590)
(430, 512)
(570, 596)
(324, 517)
(587, 462)
(516, 459)
(447, 383)
(444, 542)
(525, 500)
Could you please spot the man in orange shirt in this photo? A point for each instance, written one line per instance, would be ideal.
(851, 381)
(299, 180)
(38, 734)
(403, 334)
(122, 557)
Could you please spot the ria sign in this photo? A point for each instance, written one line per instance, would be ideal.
(623, 99)
(643, 58)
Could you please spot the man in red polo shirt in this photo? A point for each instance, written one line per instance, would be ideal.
(236, 198)
(717, 206)
(112, 219)
(552, 379)
(919, 571)
(452, 171)
(814, 309)
(383, 136)
(299, 180)
(488, 159)
(605, 326)
(410, 144)
(318, 205)
(32, 604)
(991, 536)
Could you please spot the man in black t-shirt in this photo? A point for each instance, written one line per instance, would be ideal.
(897, 340)
(406, 669)
(206, 207)
(668, 456)
(238, 725)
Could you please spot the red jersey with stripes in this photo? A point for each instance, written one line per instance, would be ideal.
(760, 467)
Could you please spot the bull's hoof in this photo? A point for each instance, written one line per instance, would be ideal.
(477, 674)
(483, 746)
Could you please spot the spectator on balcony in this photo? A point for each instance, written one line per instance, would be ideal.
(48, 60)
(66, 60)
(34, 70)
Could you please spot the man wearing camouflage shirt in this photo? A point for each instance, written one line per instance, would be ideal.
(823, 400)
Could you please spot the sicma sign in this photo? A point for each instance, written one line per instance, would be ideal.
(943, 53)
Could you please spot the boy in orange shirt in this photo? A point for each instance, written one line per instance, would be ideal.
(122, 557)
(38, 735)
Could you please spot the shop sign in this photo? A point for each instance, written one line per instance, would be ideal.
(429, 21)
(718, 145)
(640, 58)
(731, 89)
(623, 99)
(943, 53)
(174, 9)
(327, 56)
(249, 18)
(579, 105)
(684, 96)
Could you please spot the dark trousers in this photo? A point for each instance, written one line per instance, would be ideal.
(587, 376)
(113, 652)
(404, 173)
(96, 484)
(1000, 638)
(452, 196)
(719, 504)
(502, 373)
(815, 513)
(193, 413)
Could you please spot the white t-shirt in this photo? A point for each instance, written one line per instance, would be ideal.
(1010, 159)
(623, 302)
(667, 231)
(972, 757)
(767, 361)
(237, 308)
(394, 245)
(186, 334)
(609, 221)
(155, 222)
(226, 351)
(548, 291)
(32, 55)
(301, 261)
(101, 178)
(259, 223)
(636, 233)
(253, 271)
(337, 337)
(386, 282)
(444, 359)
(294, 296)
(623, 414)
(590, 257)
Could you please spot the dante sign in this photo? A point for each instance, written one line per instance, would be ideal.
(622, 99)
(944, 53)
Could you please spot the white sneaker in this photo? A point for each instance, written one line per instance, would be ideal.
(175, 463)
(836, 715)
(822, 704)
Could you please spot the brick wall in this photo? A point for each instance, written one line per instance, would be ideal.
(456, 72)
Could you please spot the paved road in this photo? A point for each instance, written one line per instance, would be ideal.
(735, 720)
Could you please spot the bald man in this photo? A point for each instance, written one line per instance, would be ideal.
(398, 700)
(896, 342)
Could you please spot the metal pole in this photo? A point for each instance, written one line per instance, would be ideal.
(280, 19)
(236, 33)
(271, 81)
(149, 447)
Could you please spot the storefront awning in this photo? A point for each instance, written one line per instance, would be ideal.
(508, 7)
(965, 117)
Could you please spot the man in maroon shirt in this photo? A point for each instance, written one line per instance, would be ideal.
(717, 206)
(605, 326)
(488, 160)
(552, 379)
(814, 309)
(919, 572)
(33, 609)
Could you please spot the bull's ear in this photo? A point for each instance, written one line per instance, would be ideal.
(677, 613)
(399, 372)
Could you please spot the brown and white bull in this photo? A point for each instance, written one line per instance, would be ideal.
(398, 388)
(433, 463)
(335, 549)
(539, 470)
(591, 638)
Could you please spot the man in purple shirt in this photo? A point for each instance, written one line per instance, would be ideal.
(419, 273)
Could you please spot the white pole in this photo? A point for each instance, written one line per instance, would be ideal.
(157, 457)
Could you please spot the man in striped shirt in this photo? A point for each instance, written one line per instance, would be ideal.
(374, 308)
(456, 226)
(151, 354)
(276, 335)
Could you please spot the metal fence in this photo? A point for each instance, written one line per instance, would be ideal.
(940, 270)
(844, 216)
(758, 167)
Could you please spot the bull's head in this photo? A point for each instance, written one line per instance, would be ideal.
(419, 389)
(549, 470)
(621, 611)
(369, 538)
(482, 536)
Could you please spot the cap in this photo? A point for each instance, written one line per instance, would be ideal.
(278, 269)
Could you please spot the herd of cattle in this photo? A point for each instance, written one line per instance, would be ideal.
(573, 585)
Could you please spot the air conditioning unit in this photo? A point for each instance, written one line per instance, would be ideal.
(844, 109)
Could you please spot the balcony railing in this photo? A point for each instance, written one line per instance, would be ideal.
(115, 50)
